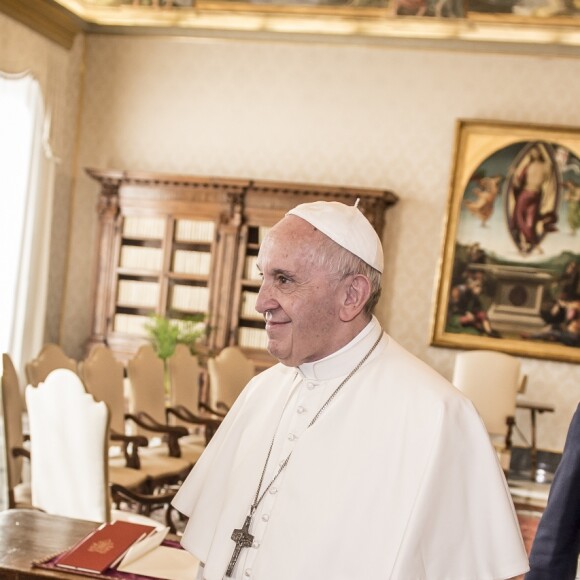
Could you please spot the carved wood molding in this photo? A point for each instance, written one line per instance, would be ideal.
(47, 18)
(261, 195)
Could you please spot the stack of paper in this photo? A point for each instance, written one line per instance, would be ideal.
(149, 558)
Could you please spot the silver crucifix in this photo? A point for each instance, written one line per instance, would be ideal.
(243, 539)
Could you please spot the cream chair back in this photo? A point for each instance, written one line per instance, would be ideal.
(146, 376)
(69, 433)
(229, 373)
(12, 409)
(103, 376)
(491, 380)
(50, 357)
(184, 374)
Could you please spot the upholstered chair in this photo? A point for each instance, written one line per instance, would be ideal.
(148, 401)
(229, 372)
(49, 358)
(185, 375)
(69, 434)
(14, 437)
(491, 380)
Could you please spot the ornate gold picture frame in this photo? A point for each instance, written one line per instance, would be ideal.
(509, 277)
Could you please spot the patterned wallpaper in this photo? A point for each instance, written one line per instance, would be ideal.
(346, 115)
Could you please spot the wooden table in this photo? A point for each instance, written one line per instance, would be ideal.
(534, 408)
(30, 535)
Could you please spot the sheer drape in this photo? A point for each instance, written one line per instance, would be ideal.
(26, 194)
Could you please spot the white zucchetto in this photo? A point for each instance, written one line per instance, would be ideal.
(347, 226)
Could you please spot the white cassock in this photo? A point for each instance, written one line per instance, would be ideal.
(396, 479)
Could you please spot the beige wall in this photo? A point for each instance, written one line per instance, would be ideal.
(58, 72)
(347, 115)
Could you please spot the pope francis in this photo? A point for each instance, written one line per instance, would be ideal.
(351, 459)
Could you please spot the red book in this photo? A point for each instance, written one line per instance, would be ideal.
(103, 547)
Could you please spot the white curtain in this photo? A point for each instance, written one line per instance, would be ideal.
(26, 196)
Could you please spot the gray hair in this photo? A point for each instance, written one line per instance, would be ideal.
(342, 263)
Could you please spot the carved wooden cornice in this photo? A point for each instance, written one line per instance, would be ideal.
(243, 186)
(242, 196)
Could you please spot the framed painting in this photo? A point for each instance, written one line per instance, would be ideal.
(511, 11)
(509, 275)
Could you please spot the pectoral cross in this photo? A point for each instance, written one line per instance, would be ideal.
(243, 539)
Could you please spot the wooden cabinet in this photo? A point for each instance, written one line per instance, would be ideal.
(179, 245)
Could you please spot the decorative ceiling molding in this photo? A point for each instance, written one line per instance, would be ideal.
(61, 20)
(46, 17)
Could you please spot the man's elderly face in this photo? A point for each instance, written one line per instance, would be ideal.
(299, 300)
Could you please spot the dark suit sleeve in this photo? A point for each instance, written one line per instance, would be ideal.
(555, 550)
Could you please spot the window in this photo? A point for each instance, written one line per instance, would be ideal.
(25, 216)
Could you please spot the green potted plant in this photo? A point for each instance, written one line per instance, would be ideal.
(165, 333)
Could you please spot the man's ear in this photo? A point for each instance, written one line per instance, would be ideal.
(356, 294)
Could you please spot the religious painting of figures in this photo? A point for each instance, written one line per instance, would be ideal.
(528, 9)
(510, 270)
